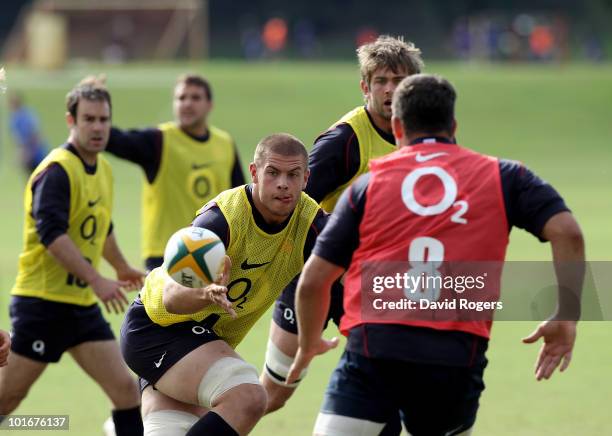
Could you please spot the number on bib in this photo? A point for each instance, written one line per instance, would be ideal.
(425, 255)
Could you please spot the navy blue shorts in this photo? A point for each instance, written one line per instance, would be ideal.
(150, 349)
(284, 307)
(42, 330)
(433, 399)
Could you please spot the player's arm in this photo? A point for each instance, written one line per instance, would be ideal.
(50, 209)
(333, 161)
(113, 255)
(567, 245)
(534, 205)
(331, 257)
(140, 146)
(559, 332)
(70, 258)
(181, 300)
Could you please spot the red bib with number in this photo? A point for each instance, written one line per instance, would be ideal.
(427, 204)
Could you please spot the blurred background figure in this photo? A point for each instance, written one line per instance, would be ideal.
(26, 133)
(542, 42)
(461, 38)
(274, 35)
(305, 37)
(250, 41)
(365, 35)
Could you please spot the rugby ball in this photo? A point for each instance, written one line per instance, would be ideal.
(194, 257)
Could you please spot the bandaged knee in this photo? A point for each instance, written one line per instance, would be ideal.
(278, 364)
(168, 423)
(224, 374)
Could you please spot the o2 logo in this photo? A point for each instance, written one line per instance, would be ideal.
(448, 199)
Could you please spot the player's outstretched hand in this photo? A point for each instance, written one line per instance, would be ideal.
(5, 347)
(216, 292)
(304, 356)
(559, 338)
(134, 277)
(110, 293)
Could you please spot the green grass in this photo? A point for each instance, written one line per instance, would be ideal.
(555, 119)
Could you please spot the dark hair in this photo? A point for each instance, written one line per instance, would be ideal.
(280, 143)
(91, 88)
(425, 103)
(196, 80)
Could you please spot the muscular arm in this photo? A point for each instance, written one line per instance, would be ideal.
(70, 258)
(559, 332)
(181, 300)
(113, 255)
(567, 245)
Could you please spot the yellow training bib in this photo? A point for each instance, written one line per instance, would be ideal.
(91, 199)
(371, 145)
(262, 266)
(190, 174)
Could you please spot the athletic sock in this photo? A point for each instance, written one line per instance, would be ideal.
(211, 424)
(128, 422)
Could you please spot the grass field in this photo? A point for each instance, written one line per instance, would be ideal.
(558, 120)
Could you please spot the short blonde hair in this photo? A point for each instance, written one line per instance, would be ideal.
(284, 144)
(391, 53)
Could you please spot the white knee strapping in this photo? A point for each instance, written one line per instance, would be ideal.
(168, 423)
(338, 425)
(224, 374)
(278, 364)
